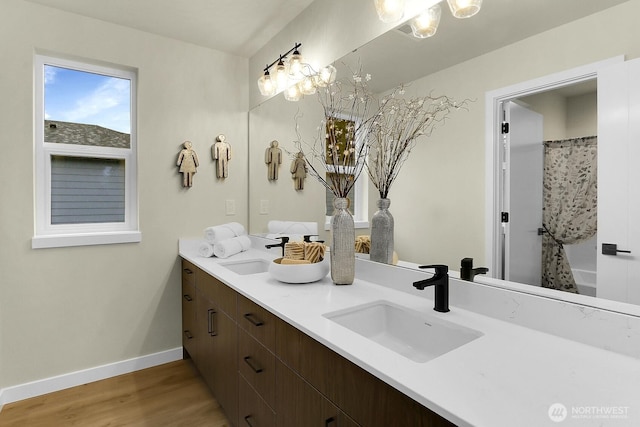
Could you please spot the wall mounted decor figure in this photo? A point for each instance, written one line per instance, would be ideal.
(299, 171)
(273, 158)
(221, 151)
(188, 162)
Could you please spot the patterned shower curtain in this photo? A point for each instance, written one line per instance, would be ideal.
(570, 205)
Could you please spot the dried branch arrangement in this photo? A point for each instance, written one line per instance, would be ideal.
(398, 123)
(357, 131)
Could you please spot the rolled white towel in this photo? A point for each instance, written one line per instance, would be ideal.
(235, 245)
(222, 232)
(205, 250)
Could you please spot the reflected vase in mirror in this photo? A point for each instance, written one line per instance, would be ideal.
(343, 235)
(382, 233)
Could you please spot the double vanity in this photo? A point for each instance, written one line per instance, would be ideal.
(377, 353)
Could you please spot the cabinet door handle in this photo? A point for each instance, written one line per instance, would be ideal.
(329, 421)
(186, 270)
(211, 328)
(253, 319)
(249, 361)
(247, 420)
(187, 334)
(188, 297)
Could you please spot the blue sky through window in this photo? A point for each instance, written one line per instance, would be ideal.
(89, 98)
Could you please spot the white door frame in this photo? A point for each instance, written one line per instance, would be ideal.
(493, 99)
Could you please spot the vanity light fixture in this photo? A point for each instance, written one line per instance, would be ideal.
(426, 24)
(293, 77)
(284, 69)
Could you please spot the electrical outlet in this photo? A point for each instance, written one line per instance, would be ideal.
(264, 207)
(231, 207)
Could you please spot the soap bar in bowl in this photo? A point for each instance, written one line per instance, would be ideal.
(299, 273)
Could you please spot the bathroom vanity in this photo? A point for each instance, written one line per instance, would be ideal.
(375, 353)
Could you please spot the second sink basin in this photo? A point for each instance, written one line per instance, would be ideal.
(248, 266)
(417, 336)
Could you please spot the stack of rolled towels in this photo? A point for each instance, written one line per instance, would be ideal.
(224, 240)
(303, 252)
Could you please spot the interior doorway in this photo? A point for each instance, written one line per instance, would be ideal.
(559, 85)
(544, 137)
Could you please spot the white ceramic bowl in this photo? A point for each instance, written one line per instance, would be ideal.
(299, 273)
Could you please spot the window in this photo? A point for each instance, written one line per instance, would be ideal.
(358, 194)
(86, 189)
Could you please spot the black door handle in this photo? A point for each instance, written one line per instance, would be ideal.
(612, 249)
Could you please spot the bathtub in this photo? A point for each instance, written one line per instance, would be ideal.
(585, 280)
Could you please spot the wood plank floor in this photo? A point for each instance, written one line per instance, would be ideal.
(173, 394)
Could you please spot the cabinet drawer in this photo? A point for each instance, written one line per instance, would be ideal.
(223, 297)
(254, 412)
(257, 321)
(188, 273)
(257, 365)
(189, 317)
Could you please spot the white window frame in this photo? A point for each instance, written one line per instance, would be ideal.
(360, 190)
(48, 235)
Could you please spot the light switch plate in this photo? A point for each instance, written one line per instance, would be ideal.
(231, 207)
(264, 207)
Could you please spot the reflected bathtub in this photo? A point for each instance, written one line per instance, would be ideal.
(585, 280)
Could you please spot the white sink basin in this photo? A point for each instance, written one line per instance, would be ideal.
(417, 336)
(248, 266)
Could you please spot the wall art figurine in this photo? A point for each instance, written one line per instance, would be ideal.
(188, 162)
(221, 152)
(299, 171)
(273, 158)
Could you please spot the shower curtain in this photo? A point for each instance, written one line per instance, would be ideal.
(570, 205)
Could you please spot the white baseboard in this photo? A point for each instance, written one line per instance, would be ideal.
(61, 382)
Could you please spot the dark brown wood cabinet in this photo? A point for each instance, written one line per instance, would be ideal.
(266, 373)
(189, 302)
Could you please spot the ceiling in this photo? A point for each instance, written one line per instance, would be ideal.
(239, 27)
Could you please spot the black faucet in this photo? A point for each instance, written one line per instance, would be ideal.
(307, 238)
(283, 241)
(441, 281)
(467, 272)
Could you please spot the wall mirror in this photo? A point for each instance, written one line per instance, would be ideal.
(439, 201)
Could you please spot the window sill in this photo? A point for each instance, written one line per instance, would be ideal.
(87, 239)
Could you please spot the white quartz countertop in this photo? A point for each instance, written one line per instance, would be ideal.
(510, 376)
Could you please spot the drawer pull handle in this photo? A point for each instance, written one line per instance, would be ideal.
(253, 319)
(252, 365)
(188, 297)
(187, 334)
(211, 328)
(247, 420)
(329, 421)
(186, 270)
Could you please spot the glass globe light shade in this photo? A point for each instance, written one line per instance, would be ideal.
(295, 65)
(307, 86)
(426, 24)
(293, 93)
(282, 76)
(326, 76)
(464, 8)
(266, 85)
(390, 10)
